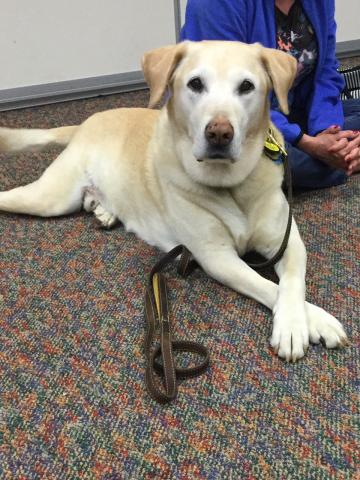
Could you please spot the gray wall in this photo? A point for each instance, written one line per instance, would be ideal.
(54, 50)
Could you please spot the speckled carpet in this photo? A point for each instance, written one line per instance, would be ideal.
(73, 403)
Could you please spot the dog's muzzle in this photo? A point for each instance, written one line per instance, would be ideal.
(219, 134)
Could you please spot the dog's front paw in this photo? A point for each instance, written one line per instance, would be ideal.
(325, 327)
(290, 335)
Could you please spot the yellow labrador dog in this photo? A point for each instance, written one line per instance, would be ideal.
(193, 173)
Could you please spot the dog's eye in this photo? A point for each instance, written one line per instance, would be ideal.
(245, 87)
(196, 85)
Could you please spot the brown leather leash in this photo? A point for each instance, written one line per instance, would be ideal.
(157, 307)
(158, 319)
(288, 181)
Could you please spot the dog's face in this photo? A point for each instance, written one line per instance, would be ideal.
(219, 101)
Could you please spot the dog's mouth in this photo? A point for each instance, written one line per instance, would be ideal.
(219, 156)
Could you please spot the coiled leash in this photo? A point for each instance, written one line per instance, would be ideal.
(157, 307)
(157, 316)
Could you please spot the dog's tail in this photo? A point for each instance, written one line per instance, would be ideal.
(22, 139)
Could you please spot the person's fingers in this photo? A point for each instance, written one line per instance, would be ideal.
(353, 161)
(333, 129)
(353, 167)
(349, 134)
(353, 155)
(348, 149)
(355, 142)
(344, 152)
(339, 145)
(344, 145)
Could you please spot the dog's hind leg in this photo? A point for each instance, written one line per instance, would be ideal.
(58, 191)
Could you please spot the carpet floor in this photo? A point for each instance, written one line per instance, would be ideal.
(73, 403)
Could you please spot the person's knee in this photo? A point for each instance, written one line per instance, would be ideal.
(352, 114)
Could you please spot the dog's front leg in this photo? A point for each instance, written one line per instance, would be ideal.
(295, 321)
(221, 262)
(290, 336)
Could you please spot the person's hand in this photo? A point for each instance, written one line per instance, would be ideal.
(333, 146)
(352, 158)
(332, 129)
(351, 150)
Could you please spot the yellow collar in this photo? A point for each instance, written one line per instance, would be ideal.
(273, 148)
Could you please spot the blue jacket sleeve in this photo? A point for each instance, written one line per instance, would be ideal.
(326, 107)
(291, 131)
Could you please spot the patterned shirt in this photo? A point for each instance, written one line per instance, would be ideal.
(295, 35)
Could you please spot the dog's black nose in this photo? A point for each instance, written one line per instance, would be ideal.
(219, 132)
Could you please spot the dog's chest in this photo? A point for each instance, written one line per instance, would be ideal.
(236, 220)
(230, 215)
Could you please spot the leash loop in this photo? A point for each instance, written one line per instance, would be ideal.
(158, 323)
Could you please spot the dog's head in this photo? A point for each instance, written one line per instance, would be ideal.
(219, 95)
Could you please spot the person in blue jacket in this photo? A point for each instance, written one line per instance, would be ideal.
(322, 132)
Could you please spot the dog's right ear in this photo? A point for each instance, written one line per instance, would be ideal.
(158, 66)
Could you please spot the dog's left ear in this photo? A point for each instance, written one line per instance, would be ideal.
(281, 68)
(158, 66)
